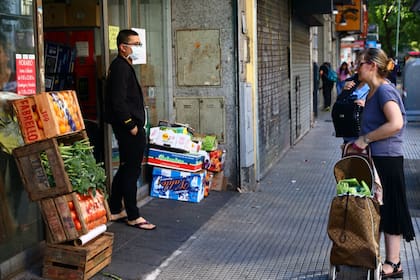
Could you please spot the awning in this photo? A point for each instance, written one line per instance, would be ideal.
(416, 6)
(344, 2)
(311, 7)
(308, 11)
(311, 20)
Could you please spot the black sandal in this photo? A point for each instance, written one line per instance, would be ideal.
(395, 273)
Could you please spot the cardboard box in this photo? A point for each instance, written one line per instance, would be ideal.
(54, 14)
(77, 263)
(59, 112)
(28, 118)
(177, 185)
(66, 224)
(83, 13)
(179, 161)
(162, 137)
(48, 114)
(32, 172)
(218, 182)
(174, 137)
(217, 160)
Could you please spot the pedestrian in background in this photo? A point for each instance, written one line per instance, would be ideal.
(382, 129)
(343, 74)
(392, 75)
(124, 106)
(327, 84)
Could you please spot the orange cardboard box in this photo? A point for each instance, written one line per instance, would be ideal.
(28, 118)
(59, 112)
(48, 114)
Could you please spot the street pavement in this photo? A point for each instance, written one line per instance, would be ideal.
(277, 232)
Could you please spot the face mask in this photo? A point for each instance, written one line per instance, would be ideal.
(136, 52)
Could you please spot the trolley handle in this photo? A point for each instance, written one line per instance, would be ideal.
(348, 151)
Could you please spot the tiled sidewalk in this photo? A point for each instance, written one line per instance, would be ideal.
(277, 232)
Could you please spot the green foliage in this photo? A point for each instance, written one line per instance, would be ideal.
(384, 13)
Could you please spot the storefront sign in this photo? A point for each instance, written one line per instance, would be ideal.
(349, 17)
(354, 45)
(25, 74)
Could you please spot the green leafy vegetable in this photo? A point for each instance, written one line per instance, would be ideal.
(80, 165)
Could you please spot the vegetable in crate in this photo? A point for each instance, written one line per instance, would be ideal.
(81, 167)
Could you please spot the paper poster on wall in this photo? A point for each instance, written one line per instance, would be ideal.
(25, 74)
(112, 36)
(142, 35)
(82, 49)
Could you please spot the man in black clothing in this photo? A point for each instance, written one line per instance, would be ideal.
(124, 110)
(327, 85)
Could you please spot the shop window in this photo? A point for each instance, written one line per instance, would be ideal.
(21, 226)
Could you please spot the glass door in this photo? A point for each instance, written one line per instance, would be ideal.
(151, 18)
(115, 18)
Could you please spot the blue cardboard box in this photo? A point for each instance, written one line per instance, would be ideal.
(186, 162)
(177, 185)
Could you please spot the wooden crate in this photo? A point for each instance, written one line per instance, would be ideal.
(69, 262)
(61, 225)
(34, 177)
(7, 223)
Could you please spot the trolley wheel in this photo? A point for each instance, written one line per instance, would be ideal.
(333, 272)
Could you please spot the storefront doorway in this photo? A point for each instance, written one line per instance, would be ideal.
(80, 46)
(73, 47)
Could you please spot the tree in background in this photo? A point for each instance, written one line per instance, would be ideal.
(384, 13)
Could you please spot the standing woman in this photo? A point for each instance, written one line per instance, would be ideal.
(343, 74)
(382, 129)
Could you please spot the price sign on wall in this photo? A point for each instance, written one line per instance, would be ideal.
(25, 74)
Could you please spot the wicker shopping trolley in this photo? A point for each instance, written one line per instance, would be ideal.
(353, 224)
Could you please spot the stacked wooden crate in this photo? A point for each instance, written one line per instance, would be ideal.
(48, 122)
